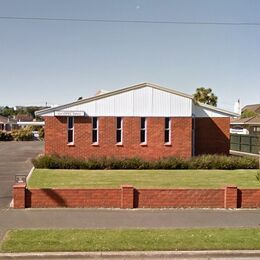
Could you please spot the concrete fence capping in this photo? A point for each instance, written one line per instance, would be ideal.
(128, 197)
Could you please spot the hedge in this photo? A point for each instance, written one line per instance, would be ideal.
(199, 162)
(23, 134)
(5, 136)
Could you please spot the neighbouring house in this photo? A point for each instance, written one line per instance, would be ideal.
(143, 120)
(7, 124)
(24, 117)
(247, 126)
(254, 108)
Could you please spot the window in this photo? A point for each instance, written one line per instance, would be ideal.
(119, 130)
(143, 130)
(70, 124)
(256, 129)
(95, 130)
(167, 131)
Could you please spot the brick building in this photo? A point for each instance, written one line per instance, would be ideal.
(143, 120)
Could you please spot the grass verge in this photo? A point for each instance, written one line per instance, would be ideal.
(45, 178)
(131, 239)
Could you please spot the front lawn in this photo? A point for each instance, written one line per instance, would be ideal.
(46, 178)
(131, 239)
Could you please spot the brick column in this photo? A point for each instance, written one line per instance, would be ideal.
(19, 195)
(127, 197)
(230, 200)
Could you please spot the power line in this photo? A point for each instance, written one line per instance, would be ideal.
(127, 21)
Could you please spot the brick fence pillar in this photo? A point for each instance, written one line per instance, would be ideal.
(230, 200)
(19, 195)
(127, 197)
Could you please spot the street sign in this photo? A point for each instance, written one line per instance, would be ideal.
(20, 178)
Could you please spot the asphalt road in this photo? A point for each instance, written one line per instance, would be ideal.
(118, 218)
(15, 158)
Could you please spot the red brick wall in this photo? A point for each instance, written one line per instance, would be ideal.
(19, 195)
(56, 138)
(212, 135)
(231, 200)
(73, 198)
(129, 197)
(249, 198)
(180, 198)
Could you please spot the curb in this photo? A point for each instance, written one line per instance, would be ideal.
(135, 254)
(30, 174)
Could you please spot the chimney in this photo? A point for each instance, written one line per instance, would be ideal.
(237, 107)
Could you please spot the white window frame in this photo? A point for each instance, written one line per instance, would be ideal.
(119, 129)
(169, 129)
(143, 129)
(70, 129)
(95, 129)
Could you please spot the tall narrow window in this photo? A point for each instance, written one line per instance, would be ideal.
(143, 130)
(167, 131)
(95, 130)
(119, 130)
(70, 124)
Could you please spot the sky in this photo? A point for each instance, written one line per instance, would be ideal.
(58, 61)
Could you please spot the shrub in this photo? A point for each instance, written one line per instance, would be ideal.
(41, 133)
(222, 162)
(199, 162)
(23, 134)
(258, 175)
(5, 136)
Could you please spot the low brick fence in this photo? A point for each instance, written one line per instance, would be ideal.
(129, 197)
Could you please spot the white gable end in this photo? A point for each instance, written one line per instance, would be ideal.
(146, 101)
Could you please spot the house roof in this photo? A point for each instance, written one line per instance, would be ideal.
(126, 89)
(255, 120)
(253, 107)
(6, 120)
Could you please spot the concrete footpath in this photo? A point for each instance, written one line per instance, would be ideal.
(120, 218)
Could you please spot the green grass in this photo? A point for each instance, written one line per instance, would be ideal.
(45, 178)
(130, 239)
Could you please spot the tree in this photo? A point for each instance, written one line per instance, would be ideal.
(205, 95)
(7, 111)
(248, 113)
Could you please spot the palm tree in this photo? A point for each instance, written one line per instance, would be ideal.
(205, 95)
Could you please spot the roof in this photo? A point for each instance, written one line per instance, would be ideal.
(217, 109)
(126, 89)
(255, 120)
(6, 120)
(253, 107)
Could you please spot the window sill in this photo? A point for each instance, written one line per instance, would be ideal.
(71, 145)
(167, 144)
(119, 144)
(143, 144)
(95, 144)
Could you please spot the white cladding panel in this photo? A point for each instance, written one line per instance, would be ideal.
(124, 104)
(146, 101)
(161, 103)
(143, 98)
(181, 106)
(200, 111)
(105, 106)
(89, 108)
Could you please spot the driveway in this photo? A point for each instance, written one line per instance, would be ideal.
(15, 158)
